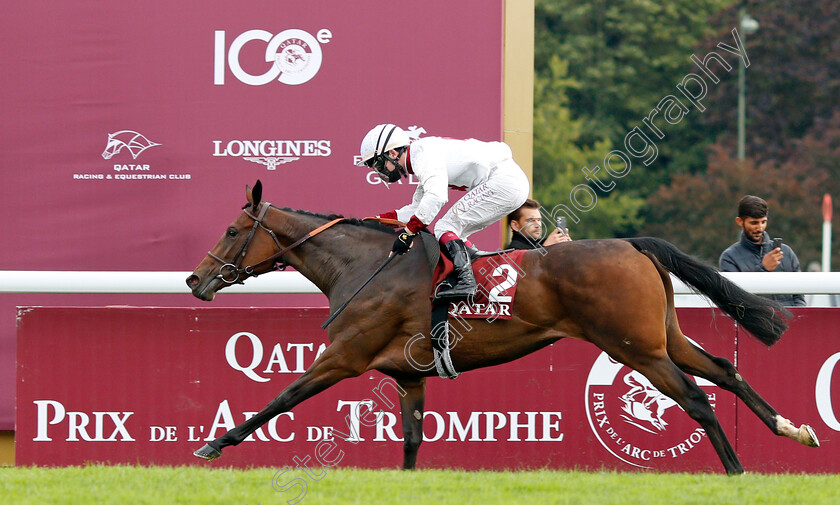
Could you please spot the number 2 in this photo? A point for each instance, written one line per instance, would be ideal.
(511, 276)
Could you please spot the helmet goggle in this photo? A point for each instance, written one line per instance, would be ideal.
(377, 162)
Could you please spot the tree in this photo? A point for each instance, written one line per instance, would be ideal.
(625, 56)
(559, 158)
(794, 76)
(697, 211)
(793, 134)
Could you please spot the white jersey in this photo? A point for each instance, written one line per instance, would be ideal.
(441, 163)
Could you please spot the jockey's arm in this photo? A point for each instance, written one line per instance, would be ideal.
(431, 195)
(404, 213)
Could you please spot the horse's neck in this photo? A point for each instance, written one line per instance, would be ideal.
(330, 257)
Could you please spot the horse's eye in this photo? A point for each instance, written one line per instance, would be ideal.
(232, 232)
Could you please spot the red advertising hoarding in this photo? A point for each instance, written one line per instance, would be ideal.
(150, 385)
(800, 377)
(131, 128)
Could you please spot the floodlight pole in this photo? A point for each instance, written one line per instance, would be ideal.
(748, 25)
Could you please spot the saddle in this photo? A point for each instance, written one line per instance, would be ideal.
(487, 267)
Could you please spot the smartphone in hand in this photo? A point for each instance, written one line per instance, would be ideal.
(777, 242)
(561, 225)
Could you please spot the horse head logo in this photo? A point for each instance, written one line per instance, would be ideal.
(135, 142)
(644, 404)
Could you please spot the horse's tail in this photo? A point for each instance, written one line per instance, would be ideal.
(762, 317)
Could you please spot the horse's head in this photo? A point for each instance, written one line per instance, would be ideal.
(240, 252)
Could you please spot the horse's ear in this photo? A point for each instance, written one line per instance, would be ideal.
(257, 193)
(254, 195)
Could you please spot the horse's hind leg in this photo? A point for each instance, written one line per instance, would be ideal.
(720, 371)
(411, 405)
(670, 380)
(695, 361)
(327, 370)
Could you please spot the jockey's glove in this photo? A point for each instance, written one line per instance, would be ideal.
(403, 242)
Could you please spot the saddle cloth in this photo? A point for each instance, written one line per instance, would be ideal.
(497, 277)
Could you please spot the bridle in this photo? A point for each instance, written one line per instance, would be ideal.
(231, 273)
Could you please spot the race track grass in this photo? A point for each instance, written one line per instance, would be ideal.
(180, 485)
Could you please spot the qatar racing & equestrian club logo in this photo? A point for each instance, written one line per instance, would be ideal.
(634, 421)
(133, 142)
(119, 146)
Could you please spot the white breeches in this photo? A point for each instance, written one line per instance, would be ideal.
(504, 191)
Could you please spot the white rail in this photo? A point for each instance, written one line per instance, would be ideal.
(22, 281)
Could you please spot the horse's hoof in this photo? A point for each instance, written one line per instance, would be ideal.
(207, 453)
(808, 437)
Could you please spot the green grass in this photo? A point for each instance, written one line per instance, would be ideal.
(167, 485)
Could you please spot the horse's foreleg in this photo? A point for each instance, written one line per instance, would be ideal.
(667, 378)
(325, 372)
(411, 405)
(695, 361)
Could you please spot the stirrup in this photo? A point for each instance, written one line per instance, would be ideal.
(440, 340)
(443, 364)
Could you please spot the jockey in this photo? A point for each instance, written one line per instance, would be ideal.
(495, 186)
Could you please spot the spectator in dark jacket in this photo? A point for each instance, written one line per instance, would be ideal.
(755, 251)
(526, 228)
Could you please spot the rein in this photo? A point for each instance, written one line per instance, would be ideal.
(230, 273)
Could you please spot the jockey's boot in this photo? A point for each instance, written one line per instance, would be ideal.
(465, 287)
(476, 253)
(473, 252)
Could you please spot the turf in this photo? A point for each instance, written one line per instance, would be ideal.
(167, 485)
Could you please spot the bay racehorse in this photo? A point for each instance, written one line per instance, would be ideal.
(614, 293)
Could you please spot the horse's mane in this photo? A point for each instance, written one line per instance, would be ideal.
(374, 225)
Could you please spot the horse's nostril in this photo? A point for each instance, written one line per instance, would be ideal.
(192, 281)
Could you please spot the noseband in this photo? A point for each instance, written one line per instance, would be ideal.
(231, 273)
